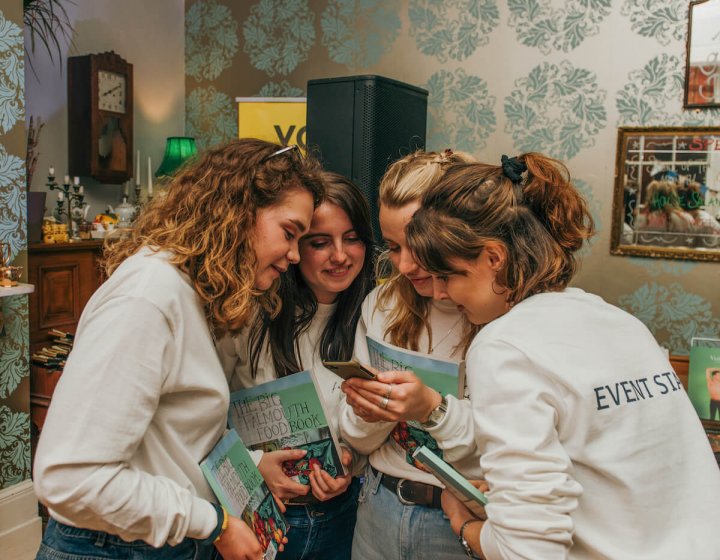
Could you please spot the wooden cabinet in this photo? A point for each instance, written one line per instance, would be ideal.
(65, 275)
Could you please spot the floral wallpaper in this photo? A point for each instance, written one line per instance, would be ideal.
(503, 76)
(14, 337)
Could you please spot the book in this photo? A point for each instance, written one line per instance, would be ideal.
(445, 376)
(240, 488)
(454, 482)
(288, 413)
(704, 380)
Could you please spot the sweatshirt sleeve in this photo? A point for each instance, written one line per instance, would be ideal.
(102, 407)
(455, 434)
(516, 408)
(363, 437)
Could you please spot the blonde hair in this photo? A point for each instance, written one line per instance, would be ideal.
(206, 220)
(541, 221)
(406, 181)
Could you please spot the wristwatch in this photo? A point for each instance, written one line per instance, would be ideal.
(437, 414)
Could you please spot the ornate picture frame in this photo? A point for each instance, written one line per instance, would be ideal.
(666, 200)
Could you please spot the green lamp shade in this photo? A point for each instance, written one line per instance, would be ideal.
(177, 150)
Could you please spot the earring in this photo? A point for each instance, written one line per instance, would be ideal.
(501, 292)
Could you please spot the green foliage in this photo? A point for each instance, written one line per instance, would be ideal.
(48, 23)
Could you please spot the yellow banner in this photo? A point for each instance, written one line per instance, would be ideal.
(275, 119)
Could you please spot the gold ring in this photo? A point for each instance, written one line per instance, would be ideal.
(387, 395)
(384, 403)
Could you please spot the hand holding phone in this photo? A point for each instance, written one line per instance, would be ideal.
(346, 370)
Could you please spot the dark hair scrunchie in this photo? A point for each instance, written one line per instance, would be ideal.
(513, 168)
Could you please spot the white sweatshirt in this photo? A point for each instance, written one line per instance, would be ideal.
(142, 400)
(234, 355)
(591, 446)
(454, 434)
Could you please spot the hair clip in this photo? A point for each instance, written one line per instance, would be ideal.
(448, 152)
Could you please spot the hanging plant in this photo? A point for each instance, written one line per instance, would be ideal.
(48, 23)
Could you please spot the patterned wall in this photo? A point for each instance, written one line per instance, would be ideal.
(14, 342)
(504, 77)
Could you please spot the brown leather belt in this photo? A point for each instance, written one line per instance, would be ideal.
(307, 499)
(411, 493)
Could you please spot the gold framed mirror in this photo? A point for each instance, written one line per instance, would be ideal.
(666, 201)
(702, 67)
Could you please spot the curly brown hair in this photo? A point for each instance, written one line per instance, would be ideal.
(542, 221)
(206, 220)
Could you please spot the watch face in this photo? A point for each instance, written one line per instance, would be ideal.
(111, 91)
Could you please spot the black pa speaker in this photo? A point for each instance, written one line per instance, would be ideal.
(359, 125)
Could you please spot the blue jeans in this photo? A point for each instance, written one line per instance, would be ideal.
(324, 530)
(390, 530)
(63, 542)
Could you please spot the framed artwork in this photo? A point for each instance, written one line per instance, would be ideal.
(702, 67)
(704, 381)
(666, 201)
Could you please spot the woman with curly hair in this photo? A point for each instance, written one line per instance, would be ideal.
(143, 397)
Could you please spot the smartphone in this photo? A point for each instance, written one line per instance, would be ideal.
(346, 370)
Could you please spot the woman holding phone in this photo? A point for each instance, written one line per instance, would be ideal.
(399, 516)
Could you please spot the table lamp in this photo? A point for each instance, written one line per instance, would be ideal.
(177, 150)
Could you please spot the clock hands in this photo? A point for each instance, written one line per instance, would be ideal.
(108, 92)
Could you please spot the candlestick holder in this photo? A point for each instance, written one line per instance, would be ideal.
(72, 196)
(138, 190)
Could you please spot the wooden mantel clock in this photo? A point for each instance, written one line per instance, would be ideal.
(100, 117)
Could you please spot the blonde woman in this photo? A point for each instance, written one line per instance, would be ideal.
(399, 515)
(143, 397)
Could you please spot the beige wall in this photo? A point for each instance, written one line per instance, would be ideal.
(149, 35)
(625, 60)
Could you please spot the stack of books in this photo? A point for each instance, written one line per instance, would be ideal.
(54, 356)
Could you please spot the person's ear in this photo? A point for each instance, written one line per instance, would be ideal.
(496, 255)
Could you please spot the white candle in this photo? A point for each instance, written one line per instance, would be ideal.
(81, 190)
(61, 196)
(66, 181)
(137, 168)
(76, 180)
(52, 172)
(126, 186)
(149, 177)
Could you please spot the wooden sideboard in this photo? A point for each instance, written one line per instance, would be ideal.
(65, 275)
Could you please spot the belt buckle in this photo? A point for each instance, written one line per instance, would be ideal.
(398, 492)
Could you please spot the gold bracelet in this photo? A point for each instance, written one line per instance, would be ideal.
(225, 521)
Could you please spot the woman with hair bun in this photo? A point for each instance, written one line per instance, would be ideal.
(589, 444)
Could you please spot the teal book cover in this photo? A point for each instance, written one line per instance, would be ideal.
(704, 383)
(445, 376)
(288, 413)
(454, 482)
(240, 488)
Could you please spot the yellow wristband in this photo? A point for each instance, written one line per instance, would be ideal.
(225, 521)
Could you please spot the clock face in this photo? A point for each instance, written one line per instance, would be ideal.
(111, 91)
